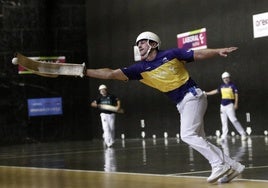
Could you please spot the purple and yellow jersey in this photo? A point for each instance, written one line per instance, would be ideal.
(228, 92)
(166, 73)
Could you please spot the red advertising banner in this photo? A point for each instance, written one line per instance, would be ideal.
(193, 40)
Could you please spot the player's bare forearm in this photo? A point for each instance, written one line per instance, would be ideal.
(236, 101)
(212, 92)
(118, 104)
(106, 73)
(209, 53)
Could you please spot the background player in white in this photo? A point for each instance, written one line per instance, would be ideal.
(165, 70)
(107, 117)
(229, 103)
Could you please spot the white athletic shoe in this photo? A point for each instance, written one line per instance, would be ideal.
(236, 170)
(218, 172)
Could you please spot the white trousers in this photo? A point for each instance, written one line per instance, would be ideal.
(228, 111)
(108, 128)
(192, 109)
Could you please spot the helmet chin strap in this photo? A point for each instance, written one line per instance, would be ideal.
(148, 51)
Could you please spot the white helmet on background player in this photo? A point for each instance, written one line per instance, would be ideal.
(149, 36)
(225, 75)
(102, 86)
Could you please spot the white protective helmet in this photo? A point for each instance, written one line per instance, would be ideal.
(102, 87)
(225, 75)
(147, 35)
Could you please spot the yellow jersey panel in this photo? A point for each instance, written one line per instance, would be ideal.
(167, 77)
(227, 93)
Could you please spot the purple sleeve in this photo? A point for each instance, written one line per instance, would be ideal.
(185, 55)
(133, 71)
(234, 88)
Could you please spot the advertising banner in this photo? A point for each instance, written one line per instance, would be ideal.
(260, 25)
(193, 40)
(44, 106)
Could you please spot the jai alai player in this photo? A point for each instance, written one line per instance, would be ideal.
(107, 116)
(229, 103)
(165, 70)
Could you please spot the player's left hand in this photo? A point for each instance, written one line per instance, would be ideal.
(225, 51)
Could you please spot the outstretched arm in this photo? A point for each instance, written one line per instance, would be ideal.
(209, 53)
(212, 92)
(107, 74)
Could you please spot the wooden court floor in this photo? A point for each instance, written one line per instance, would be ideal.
(164, 163)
